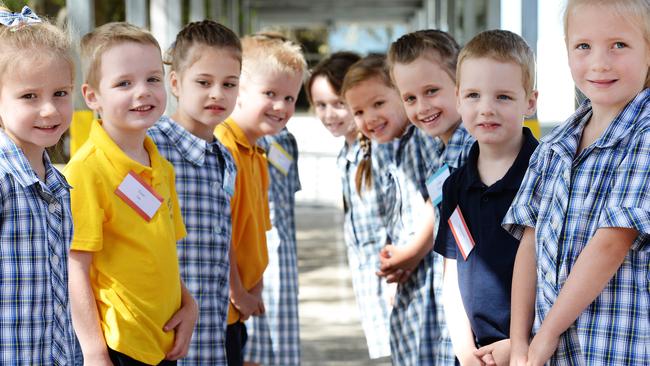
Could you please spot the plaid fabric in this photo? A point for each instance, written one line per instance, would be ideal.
(365, 236)
(35, 234)
(274, 338)
(418, 332)
(566, 198)
(203, 255)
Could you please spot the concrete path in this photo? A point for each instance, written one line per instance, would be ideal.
(330, 329)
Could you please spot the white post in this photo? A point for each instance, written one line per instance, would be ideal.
(197, 10)
(136, 13)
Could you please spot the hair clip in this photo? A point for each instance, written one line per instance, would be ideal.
(18, 20)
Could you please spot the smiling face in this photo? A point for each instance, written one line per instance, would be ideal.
(36, 103)
(331, 109)
(428, 94)
(131, 95)
(207, 89)
(492, 100)
(377, 110)
(608, 56)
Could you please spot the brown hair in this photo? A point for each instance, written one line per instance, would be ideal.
(425, 43)
(204, 33)
(502, 46)
(272, 52)
(333, 69)
(637, 11)
(95, 43)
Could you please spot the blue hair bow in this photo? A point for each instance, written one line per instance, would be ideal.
(26, 16)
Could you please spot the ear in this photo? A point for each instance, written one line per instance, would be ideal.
(174, 83)
(531, 108)
(90, 96)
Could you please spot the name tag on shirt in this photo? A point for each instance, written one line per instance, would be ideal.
(435, 182)
(459, 229)
(229, 182)
(280, 158)
(140, 196)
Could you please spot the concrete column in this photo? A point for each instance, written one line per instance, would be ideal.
(81, 19)
(493, 14)
(246, 17)
(469, 20)
(165, 20)
(137, 13)
(529, 22)
(216, 10)
(197, 10)
(232, 14)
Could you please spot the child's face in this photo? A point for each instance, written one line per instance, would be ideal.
(36, 103)
(608, 56)
(131, 94)
(331, 108)
(377, 110)
(428, 95)
(207, 89)
(492, 100)
(268, 100)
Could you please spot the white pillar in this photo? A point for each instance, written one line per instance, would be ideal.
(136, 13)
(197, 10)
(165, 20)
(469, 20)
(81, 20)
(493, 14)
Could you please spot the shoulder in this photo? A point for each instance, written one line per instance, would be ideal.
(86, 163)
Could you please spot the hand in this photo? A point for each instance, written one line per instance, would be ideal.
(248, 304)
(542, 348)
(469, 359)
(497, 353)
(182, 323)
(518, 354)
(392, 258)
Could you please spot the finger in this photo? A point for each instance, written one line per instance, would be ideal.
(173, 322)
(483, 351)
(488, 359)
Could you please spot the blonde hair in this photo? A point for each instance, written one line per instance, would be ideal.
(35, 41)
(206, 33)
(425, 43)
(637, 11)
(502, 46)
(95, 43)
(271, 52)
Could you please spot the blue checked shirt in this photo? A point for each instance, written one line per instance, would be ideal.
(566, 198)
(35, 234)
(205, 176)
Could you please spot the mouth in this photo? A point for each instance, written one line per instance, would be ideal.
(215, 108)
(431, 119)
(603, 83)
(378, 129)
(142, 108)
(334, 125)
(275, 119)
(489, 125)
(47, 128)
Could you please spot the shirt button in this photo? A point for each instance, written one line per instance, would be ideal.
(52, 207)
(59, 310)
(567, 175)
(549, 277)
(55, 260)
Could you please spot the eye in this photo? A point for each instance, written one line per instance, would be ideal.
(339, 105)
(583, 46)
(409, 99)
(472, 95)
(270, 94)
(320, 105)
(61, 93)
(154, 79)
(203, 83)
(122, 84)
(503, 97)
(229, 85)
(620, 45)
(358, 113)
(432, 91)
(378, 103)
(28, 96)
(289, 99)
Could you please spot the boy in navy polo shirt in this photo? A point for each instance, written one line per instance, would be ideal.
(495, 91)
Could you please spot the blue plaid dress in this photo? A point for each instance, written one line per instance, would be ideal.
(365, 235)
(274, 337)
(203, 171)
(566, 198)
(35, 234)
(419, 335)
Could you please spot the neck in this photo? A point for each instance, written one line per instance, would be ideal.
(131, 142)
(200, 130)
(247, 126)
(494, 160)
(602, 117)
(446, 136)
(35, 158)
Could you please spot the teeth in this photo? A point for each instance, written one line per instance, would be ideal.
(431, 118)
(143, 108)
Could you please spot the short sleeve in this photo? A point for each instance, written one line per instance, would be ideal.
(297, 185)
(445, 244)
(179, 226)
(628, 203)
(88, 205)
(265, 187)
(525, 207)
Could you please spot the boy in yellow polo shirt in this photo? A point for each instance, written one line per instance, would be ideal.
(271, 76)
(129, 305)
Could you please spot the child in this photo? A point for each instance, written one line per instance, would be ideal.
(496, 80)
(271, 77)
(364, 230)
(36, 226)
(582, 210)
(204, 77)
(129, 305)
(405, 205)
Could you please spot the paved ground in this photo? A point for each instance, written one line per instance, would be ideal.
(331, 333)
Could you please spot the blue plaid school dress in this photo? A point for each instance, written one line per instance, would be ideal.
(365, 236)
(205, 176)
(35, 233)
(419, 335)
(566, 198)
(274, 338)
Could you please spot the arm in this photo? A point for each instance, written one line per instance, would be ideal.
(246, 303)
(460, 330)
(85, 316)
(524, 281)
(182, 323)
(594, 268)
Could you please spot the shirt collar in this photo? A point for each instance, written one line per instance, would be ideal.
(240, 138)
(514, 175)
(456, 147)
(191, 147)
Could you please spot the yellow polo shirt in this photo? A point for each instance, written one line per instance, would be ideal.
(134, 273)
(249, 207)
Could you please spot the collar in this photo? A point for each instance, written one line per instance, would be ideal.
(191, 147)
(120, 161)
(457, 147)
(240, 137)
(512, 179)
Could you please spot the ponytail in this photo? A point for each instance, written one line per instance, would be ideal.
(364, 170)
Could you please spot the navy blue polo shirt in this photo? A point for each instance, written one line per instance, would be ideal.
(485, 278)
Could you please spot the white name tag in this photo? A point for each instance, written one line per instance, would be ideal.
(459, 229)
(279, 158)
(435, 182)
(139, 196)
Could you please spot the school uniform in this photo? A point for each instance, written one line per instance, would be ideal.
(274, 337)
(365, 235)
(566, 197)
(485, 270)
(35, 233)
(205, 178)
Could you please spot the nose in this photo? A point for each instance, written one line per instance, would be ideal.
(600, 59)
(422, 108)
(47, 109)
(486, 107)
(215, 93)
(329, 113)
(142, 90)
